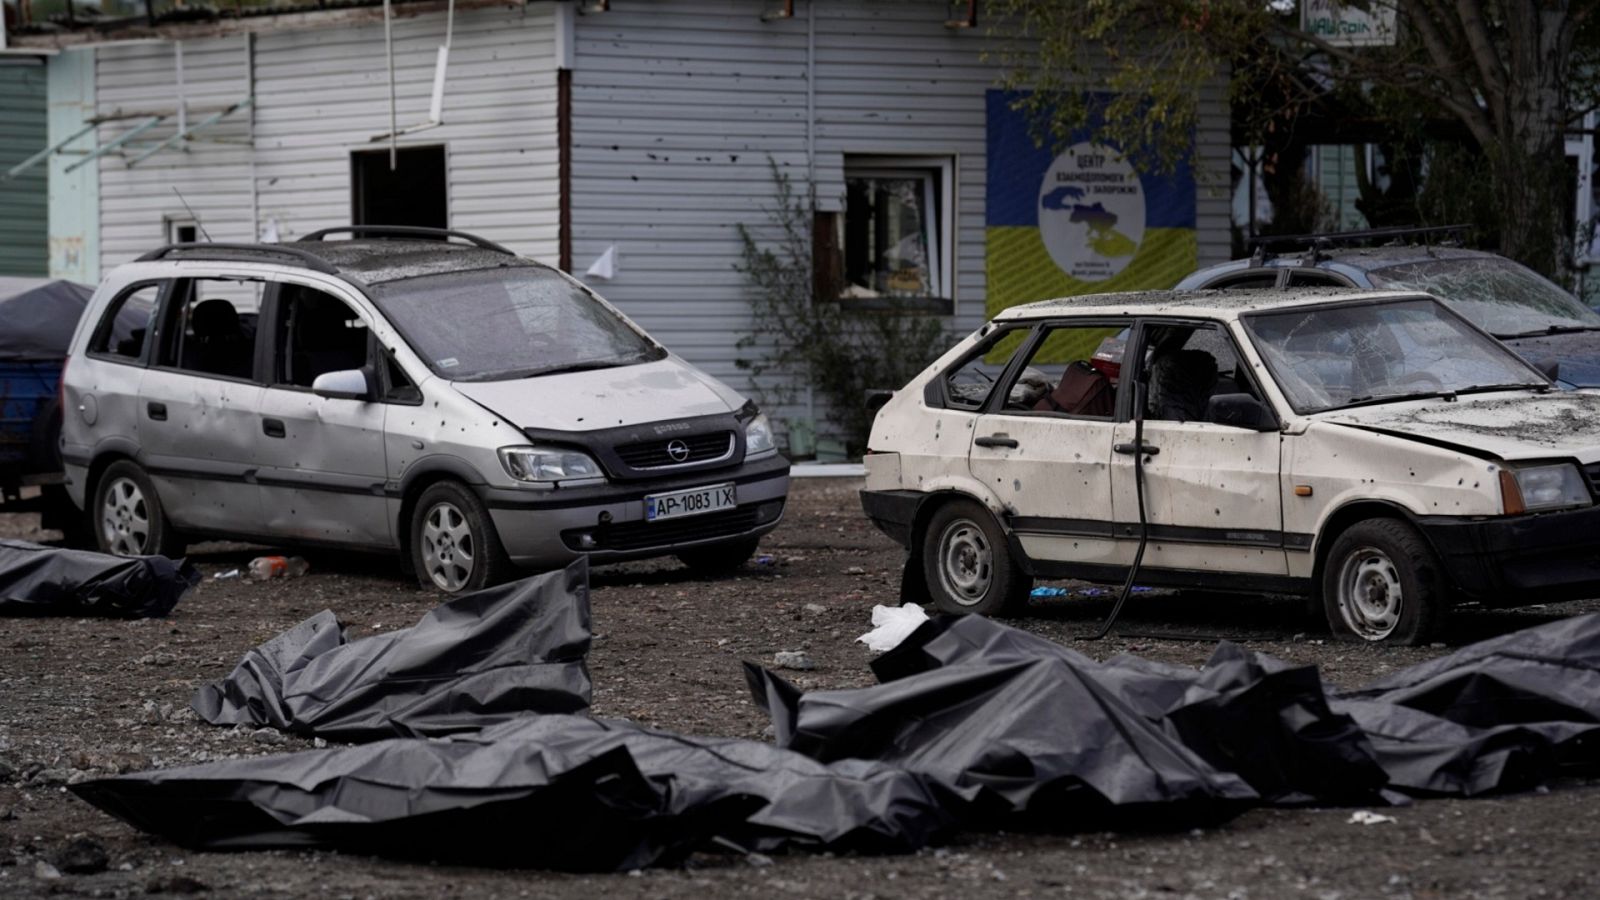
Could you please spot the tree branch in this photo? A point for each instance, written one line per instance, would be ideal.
(1490, 69)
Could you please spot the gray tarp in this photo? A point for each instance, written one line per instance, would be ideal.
(37, 317)
(975, 724)
(479, 659)
(36, 580)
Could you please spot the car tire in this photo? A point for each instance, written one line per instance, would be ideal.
(126, 516)
(968, 564)
(719, 559)
(454, 546)
(1382, 582)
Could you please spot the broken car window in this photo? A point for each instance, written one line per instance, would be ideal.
(968, 383)
(1498, 295)
(1073, 371)
(1330, 357)
(499, 324)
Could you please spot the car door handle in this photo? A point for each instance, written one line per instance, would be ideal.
(1130, 449)
(157, 411)
(996, 440)
(273, 428)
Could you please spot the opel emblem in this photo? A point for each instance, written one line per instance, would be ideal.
(678, 450)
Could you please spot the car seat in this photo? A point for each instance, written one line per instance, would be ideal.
(1181, 381)
(217, 345)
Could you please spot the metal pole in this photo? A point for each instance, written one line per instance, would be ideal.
(394, 131)
(183, 104)
(127, 136)
(37, 158)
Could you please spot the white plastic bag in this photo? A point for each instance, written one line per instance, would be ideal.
(892, 624)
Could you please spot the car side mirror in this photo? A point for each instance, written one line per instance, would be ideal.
(1240, 411)
(345, 384)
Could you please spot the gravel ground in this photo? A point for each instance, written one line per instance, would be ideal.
(81, 698)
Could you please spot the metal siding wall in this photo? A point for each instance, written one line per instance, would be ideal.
(677, 108)
(678, 105)
(321, 94)
(24, 218)
(214, 178)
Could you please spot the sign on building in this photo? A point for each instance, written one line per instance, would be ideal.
(1348, 26)
(1079, 221)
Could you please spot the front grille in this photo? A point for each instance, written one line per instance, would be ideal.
(1592, 472)
(696, 448)
(645, 535)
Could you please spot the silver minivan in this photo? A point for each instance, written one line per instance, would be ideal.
(407, 390)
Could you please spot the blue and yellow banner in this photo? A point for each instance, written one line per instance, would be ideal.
(1080, 221)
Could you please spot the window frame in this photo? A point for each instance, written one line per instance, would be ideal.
(108, 317)
(168, 319)
(937, 393)
(941, 169)
(1138, 345)
(271, 351)
(995, 404)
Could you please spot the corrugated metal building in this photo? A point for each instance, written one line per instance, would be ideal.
(22, 199)
(669, 112)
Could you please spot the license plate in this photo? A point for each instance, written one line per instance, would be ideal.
(691, 502)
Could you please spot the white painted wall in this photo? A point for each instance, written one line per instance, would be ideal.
(322, 93)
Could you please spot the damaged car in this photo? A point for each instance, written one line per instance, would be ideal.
(1527, 312)
(1374, 451)
(407, 390)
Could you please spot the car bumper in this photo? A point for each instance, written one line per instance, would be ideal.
(1521, 559)
(607, 523)
(894, 512)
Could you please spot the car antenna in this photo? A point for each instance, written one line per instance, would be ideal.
(198, 227)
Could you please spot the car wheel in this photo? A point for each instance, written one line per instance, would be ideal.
(719, 559)
(127, 517)
(453, 541)
(1382, 582)
(968, 565)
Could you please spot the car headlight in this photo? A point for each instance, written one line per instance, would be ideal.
(547, 464)
(758, 436)
(1541, 488)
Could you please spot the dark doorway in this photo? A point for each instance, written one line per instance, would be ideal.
(412, 194)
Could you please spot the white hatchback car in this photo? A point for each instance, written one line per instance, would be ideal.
(1374, 450)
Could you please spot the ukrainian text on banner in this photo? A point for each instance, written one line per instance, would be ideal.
(1080, 221)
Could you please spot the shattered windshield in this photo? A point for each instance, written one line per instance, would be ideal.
(498, 324)
(1329, 357)
(1494, 293)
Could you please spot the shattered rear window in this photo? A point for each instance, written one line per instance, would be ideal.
(499, 324)
(1494, 293)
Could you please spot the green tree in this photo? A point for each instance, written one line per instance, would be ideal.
(1516, 74)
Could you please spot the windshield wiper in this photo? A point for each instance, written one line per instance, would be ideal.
(1372, 399)
(1509, 386)
(1548, 330)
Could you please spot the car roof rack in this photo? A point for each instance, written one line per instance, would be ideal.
(406, 231)
(1314, 244)
(240, 253)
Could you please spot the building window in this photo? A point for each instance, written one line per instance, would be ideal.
(412, 193)
(182, 231)
(893, 241)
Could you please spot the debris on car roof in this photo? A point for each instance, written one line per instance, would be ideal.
(482, 658)
(36, 580)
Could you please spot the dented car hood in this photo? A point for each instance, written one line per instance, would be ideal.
(1508, 425)
(605, 398)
